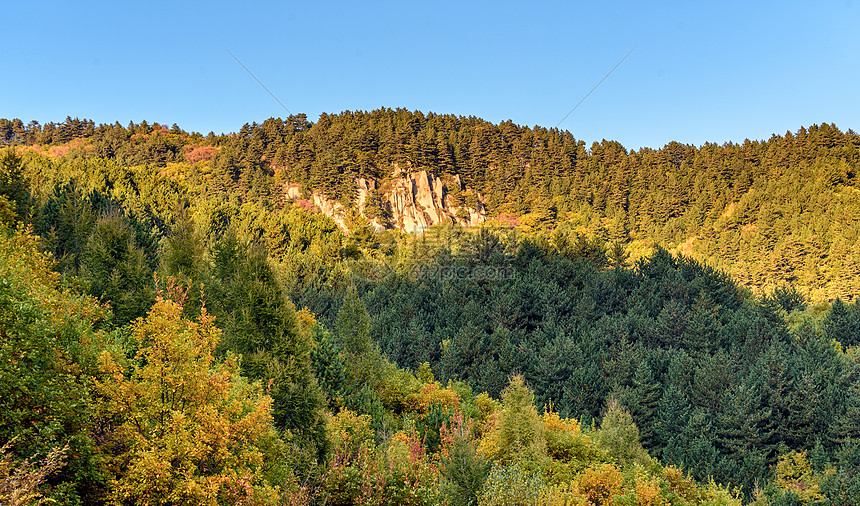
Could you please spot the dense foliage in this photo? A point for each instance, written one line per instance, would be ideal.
(152, 352)
(767, 212)
(717, 382)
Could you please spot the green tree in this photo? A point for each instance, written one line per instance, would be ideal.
(353, 330)
(183, 248)
(520, 431)
(47, 339)
(842, 323)
(116, 270)
(65, 223)
(360, 237)
(463, 468)
(13, 185)
(747, 436)
(329, 365)
(262, 326)
(620, 436)
(642, 399)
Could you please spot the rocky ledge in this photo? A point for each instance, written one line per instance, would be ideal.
(410, 202)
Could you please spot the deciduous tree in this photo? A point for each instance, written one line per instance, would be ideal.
(184, 428)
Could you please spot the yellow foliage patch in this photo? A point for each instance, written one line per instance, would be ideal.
(600, 484)
(555, 423)
(430, 394)
(350, 434)
(648, 491)
(794, 472)
(191, 430)
(680, 483)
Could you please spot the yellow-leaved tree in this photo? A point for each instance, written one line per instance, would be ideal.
(179, 427)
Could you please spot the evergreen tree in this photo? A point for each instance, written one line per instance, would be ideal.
(65, 224)
(847, 424)
(353, 331)
(183, 248)
(843, 323)
(116, 269)
(747, 436)
(673, 415)
(641, 399)
(13, 185)
(261, 325)
(329, 365)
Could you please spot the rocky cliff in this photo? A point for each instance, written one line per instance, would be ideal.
(410, 202)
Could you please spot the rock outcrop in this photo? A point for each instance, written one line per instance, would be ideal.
(330, 207)
(410, 202)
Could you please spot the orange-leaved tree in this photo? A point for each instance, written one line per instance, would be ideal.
(180, 427)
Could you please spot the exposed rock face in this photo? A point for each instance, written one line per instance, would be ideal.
(329, 207)
(412, 202)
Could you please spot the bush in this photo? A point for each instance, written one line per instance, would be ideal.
(20, 480)
(513, 486)
(600, 484)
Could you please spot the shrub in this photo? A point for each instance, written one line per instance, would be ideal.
(20, 480)
(600, 484)
(512, 486)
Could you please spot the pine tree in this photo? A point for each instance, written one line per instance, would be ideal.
(642, 399)
(747, 435)
(329, 366)
(353, 331)
(262, 326)
(673, 412)
(843, 323)
(13, 185)
(183, 248)
(116, 268)
(65, 224)
(703, 329)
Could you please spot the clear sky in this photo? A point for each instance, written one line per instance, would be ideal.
(700, 71)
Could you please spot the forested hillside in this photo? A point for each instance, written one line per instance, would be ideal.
(176, 331)
(767, 212)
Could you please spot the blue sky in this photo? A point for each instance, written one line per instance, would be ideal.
(700, 71)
